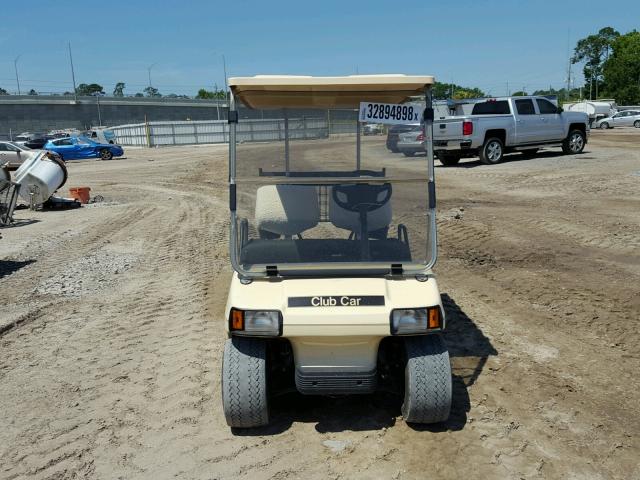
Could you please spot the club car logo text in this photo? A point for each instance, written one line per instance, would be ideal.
(337, 301)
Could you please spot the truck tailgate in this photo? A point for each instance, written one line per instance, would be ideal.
(447, 129)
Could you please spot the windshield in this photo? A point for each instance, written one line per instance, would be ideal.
(311, 197)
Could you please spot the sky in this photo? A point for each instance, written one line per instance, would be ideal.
(496, 45)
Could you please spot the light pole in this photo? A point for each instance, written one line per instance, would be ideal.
(224, 67)
(149, 71)
(73, 75)
(15, 66)
(98, 95)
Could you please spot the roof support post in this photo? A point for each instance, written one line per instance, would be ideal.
(286, 141)
(357, 144)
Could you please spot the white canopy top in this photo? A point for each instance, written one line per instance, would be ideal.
(289, 91)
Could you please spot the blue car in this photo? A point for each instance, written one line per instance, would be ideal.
(71, 148)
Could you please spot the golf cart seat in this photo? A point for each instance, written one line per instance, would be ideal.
(377, 220)
(286, 209)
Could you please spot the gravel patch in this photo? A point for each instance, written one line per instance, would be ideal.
(91, 274)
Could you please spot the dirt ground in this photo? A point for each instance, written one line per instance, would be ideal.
(112, 330)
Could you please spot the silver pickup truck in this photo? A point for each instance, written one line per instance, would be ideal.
(502, 125)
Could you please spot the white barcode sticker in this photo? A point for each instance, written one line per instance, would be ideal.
(390, 113)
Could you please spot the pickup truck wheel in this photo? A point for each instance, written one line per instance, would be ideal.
(244, 383)
(427, 380)
(574, 143)
(492, 151)
(448, 159)
(603, 126)
(636, 124)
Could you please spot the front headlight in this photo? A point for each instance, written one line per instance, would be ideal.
(265, 323)
(412, 321)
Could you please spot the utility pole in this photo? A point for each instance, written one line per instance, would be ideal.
(568, 62)
(97, 94)
(15, 66)
(73, 75)
(226, 86)
(149, 72)
(508, 91)
(215, 91)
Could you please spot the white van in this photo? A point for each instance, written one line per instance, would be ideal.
(101, 135)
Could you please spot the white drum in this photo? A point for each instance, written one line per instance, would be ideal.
(40, 177)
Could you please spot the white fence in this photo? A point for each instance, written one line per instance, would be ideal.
(217, 131)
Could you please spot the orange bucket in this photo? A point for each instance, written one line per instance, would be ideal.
(80, 193)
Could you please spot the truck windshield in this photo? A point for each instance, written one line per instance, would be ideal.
(494, 107)
(309, 197)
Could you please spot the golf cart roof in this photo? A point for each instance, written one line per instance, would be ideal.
(289, 91)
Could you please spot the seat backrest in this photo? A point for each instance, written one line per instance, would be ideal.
(287, 209)
(342, 218)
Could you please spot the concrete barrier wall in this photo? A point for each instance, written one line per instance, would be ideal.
(41, 114)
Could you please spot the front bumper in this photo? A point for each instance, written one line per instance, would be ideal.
(329, 339)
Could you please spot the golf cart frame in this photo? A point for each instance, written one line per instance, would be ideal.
(288, 319)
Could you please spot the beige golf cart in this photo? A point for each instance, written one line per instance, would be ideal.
(333, 239)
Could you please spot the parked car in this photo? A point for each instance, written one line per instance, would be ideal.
(372, 129)
(412, 142)
(80, 147)
(101, 135)
(31, 140)
(501, 125)
(626, 118)
(393, 135)
(14, 154)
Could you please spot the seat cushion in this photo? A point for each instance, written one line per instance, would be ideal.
(287, 209)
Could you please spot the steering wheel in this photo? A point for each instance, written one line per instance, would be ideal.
(361, 198)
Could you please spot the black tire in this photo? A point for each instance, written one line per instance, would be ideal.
(449, 160)
(427, 380)
(492, 151)
(636, 124)
(409, 154)
(603, 126)
(529, 153)
(105, 154)
(244, 383)
(574, 143)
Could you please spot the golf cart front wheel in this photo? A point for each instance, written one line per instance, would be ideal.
(427, 380)
(105, 154)
(244, 383)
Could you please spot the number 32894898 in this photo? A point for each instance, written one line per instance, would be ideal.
(389, 113)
